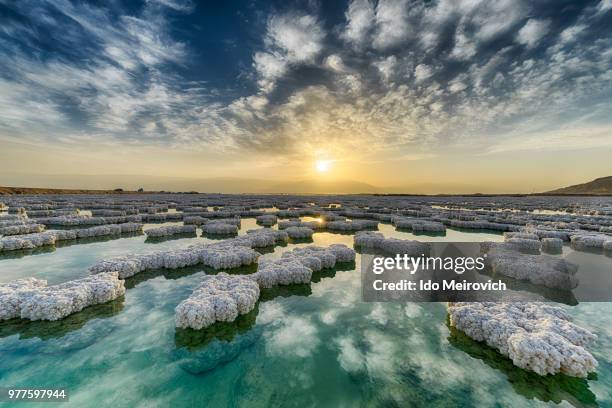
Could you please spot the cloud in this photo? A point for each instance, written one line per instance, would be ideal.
(291, 40)
(392, 26)
(411, 79)
(360, 17)
(296, 337)
(531, 33)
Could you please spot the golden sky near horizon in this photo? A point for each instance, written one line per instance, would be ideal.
(506, 172)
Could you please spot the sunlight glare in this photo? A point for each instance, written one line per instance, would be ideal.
(322, 165)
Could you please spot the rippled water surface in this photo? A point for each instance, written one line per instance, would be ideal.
(304, 345)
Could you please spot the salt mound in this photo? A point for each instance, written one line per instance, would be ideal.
(289, 223)
(585, 242)
(299, 232)
(30, 241)
(369, 239)
(261, 238)
(375, 240)
(231, 253)
(218, 256)
(227, 256)
(552, 245)
(219, 228)
(219, 297)
(342, 253)
(534, 336)
(285, 271)
(351, 226)
(20, 229)
(32, 299)
(417, 225)
(13, 294)
(168, 230)
(267, 220)
(298, 265)
(524, 244)
(545, 270)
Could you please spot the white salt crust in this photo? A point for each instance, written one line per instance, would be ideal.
(169, 230)
(224, 297)
(299, 232)
(32, 299)
(31, 241)
(219, 298)
(545, 270)
(535, 336)
(377, 241)
(231, 253)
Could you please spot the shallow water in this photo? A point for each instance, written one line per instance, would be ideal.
(316, 345)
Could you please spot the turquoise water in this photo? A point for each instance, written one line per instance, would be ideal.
(305, 345)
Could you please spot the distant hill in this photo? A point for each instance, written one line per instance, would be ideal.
(36, 191)
(599, 186)
(226, 185)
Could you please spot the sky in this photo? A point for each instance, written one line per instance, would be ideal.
(396, 95)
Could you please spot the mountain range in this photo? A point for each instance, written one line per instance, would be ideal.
(599, 186)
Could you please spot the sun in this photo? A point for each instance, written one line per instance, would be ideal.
(322, 166)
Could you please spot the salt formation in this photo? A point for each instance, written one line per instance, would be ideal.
(535, 336)
(543, 233)
(524, 244)
(298, 265)
(87, 220)
(31, 241)
(299, 232)
(58, 301)
(552, 245)
(261, 238)
(417, 225)
(218, 256)
(482, 224)
(313, 225)
(546, 270)
(266, 220)
(585, 242)
(521, 235)
(232, 221)
(223, 297)
(168, 230)
(219, 228)
(285, 271)
(20, 229)
(31, 299)
(377, 241)
(194, 220)
(351, 226)
(12, 295)
(219, 297)
(289, 223)
(231, 253)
